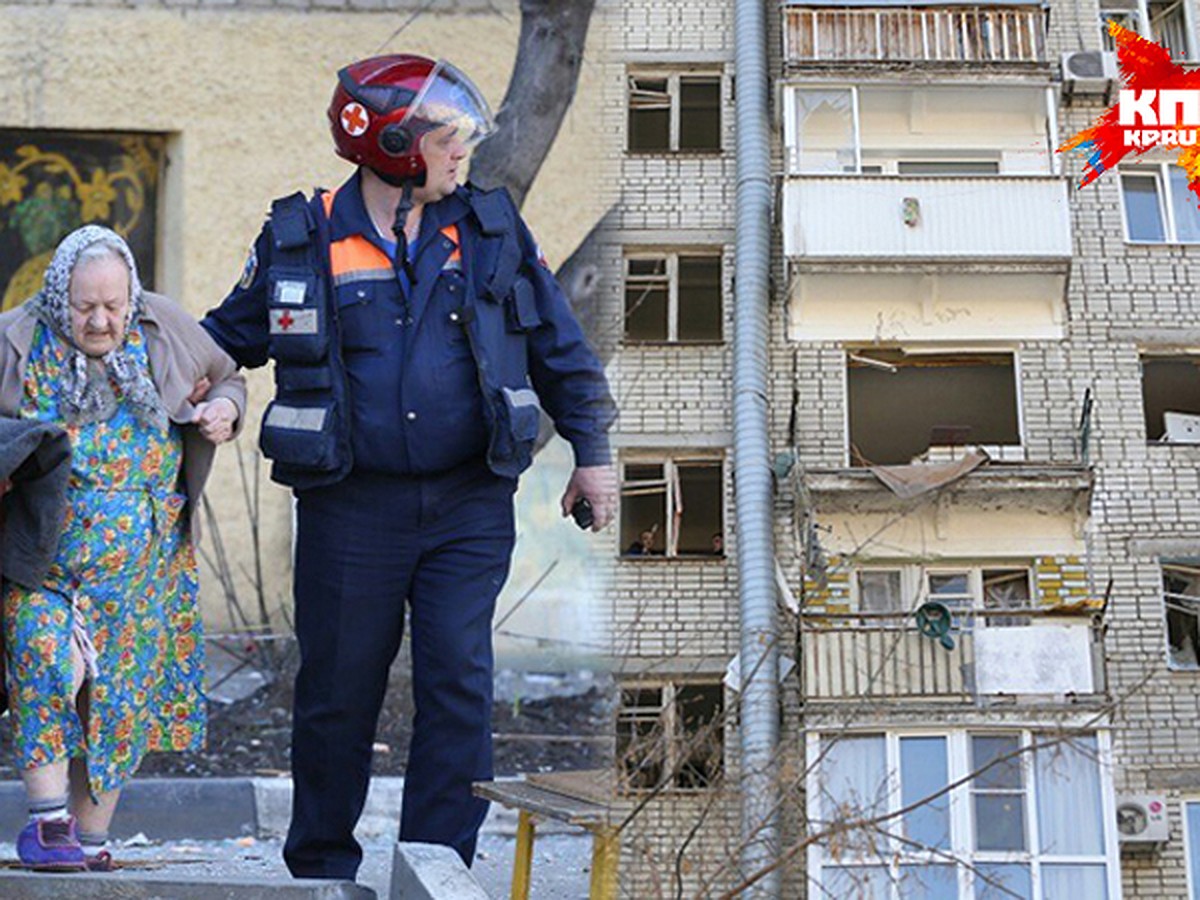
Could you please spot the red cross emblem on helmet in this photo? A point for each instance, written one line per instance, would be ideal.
(354, 119)
(384, 106)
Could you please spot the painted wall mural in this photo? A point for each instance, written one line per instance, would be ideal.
(52, 182)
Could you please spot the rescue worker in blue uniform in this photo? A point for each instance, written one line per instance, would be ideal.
(416, 336)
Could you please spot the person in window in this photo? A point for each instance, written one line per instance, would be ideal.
(104, 653)
(718, 544)
(644, 545)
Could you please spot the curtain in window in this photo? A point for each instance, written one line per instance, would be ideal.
(854, 785)
(860, 882)
(923, 772)
(1186, 206)
(1069, 810)
(1193, 849)
(1074, 882)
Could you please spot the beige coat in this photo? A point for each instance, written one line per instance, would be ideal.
(180, 352)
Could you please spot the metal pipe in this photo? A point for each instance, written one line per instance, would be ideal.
(752, 470)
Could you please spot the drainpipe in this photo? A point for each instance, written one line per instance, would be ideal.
(752, 471)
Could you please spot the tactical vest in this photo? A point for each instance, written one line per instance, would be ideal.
(306, 428)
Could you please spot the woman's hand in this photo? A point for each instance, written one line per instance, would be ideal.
(216, 419)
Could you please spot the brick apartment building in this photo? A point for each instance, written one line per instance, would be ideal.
(943, 300)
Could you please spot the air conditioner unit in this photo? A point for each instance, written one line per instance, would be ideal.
(1142, 820)
(1089, 71)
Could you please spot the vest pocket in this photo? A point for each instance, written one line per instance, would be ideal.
(522, 307)
(301, 434)
(362, 317)
(518, 422)
(296, 313)
(303, 378)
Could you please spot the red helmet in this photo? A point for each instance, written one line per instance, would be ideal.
(384, 105)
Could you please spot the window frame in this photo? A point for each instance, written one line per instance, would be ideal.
(670, 461)
(1160, 173)
(886, 161)
(1164, 566)
(914, 583)
(1018, 449)
(671, 256)
(1193, 876)
(674, 79)
(674, 741)
(1149, 354)
(1140, 11)
(963, 834)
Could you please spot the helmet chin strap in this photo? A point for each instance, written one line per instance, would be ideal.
(401, 262)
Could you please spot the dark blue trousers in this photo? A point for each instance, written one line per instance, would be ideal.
(364, 548)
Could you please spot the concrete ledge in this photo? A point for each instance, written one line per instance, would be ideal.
(164, 809)
(202, 809)
(432, 872)
(139, 886)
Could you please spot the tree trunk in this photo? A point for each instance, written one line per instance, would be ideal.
(544, 78)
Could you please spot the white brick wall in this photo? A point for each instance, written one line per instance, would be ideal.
(1143, 492)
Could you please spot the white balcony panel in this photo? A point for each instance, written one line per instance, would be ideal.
(862, 218)
(920, 306)
(1036, 659)
(841, 663)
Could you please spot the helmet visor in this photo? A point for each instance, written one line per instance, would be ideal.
(449, 97)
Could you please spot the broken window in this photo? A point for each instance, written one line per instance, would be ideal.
(1163, 21)
(641, 744)
(825, 132)
(672, 733)
(963, 590)
(673, 297)
(1181, 598)
(879, 590)
(1005, 589)
(1169, 27)
(672, 508)
(674, 112)
(1171, 397)
(649, 114)
(647, 299)
(1159, 207)
(903, 407)
(952, 590)
(699, 113)
(1125, 13)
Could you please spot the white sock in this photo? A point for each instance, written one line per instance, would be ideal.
(52, 808)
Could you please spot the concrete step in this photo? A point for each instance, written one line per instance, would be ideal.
(19, 885)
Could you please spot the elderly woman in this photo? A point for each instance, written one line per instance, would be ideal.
(105, 656)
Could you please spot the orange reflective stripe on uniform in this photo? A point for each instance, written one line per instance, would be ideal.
(355, 258)
(455, 258)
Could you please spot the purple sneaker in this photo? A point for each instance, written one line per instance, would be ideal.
(51, 845)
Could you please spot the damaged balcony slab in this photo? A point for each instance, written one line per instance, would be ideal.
(860, 483)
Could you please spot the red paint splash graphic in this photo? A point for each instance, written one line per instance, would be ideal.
(1145, 65)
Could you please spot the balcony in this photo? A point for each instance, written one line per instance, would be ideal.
(851, 657)
(881, 219)
(915, 34)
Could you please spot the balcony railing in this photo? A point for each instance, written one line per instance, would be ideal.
(956, 34)
(911, 217)
(882, 656)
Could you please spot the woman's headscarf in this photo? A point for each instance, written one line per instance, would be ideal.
(86, 394)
